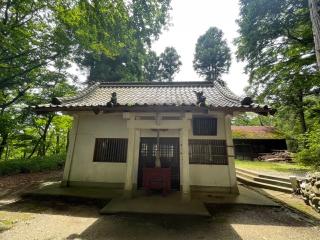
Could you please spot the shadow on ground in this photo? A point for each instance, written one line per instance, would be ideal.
(220, 226)
(142, 227)
(226, 221)
(57, 206)
(231, 214)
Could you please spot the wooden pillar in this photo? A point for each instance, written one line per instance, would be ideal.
(230, 152)
(136, 157)
(184, 139)
(128, 185)
(70, 153)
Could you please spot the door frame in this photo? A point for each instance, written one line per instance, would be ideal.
(163, 140)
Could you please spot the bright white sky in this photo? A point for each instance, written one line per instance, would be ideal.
(192, 18)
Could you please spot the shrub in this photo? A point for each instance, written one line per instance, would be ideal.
(309, 150)
(35, 164)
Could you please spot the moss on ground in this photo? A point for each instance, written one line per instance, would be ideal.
(8, 219)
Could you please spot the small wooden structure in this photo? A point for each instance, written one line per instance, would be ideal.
(250, 142)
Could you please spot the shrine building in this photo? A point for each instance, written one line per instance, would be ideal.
(132, 135)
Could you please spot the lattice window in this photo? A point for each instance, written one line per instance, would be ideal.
(204, 126)
(208, 152)
(167, 150)
(144, 149)
(110, 150)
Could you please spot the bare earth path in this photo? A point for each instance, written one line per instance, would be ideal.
(58, 219)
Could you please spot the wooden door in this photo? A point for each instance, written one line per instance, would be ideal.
(169, 157)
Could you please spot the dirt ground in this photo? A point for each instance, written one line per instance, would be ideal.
(11, 186)
(65, 219)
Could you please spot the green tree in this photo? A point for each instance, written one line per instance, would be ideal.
(212, 56)
(252, 119)
(112, 36)
(276, 42)
(170, 64)
(127, 66)
(31, 40)
(39, 38)
(152, 67)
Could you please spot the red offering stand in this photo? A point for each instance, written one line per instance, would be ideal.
(157, 178)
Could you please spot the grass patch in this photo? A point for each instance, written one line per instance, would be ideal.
(8, 219)
(35, 164)
(5, 225)
(271, 166)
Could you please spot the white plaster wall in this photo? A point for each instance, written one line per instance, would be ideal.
(209, 175)
(166, 133)
(93, 126)
(221, 134)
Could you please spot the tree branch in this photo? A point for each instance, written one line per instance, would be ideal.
(20, 94)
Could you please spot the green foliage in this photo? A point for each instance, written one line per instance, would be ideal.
(127, 67)
(170, 64)
(29, 40)
(309, 143)
(212, 57)
(33, 58)
(98, 27)
(35, 164)
(276, 42)
(252, 119)
(39, 41)
(152, 67)
(120, 32)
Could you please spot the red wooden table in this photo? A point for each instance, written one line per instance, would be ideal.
(157, 178)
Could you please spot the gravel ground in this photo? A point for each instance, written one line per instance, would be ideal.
(58, 219)
(61, 219)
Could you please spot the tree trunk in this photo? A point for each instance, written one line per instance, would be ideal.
(301, 113)
(42, 139)
(260, 121)
(302, 120)
(315, 18)
(57, 143)
(3, 143)
(67, 144)
(7, 153)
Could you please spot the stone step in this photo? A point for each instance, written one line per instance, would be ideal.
(261, 175)
(263, 185)
(256, 178)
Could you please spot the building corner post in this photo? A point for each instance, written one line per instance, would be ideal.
(184, 136)
(70, 153)
(128, 185)
(230, 152)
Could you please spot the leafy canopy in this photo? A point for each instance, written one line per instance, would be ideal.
(152, 67)
(39, 39)
(170, 64)
(212, 57)
(113, 41)
(276, 43)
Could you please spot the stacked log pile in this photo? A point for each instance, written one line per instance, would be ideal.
(276, 156)
(310, 190)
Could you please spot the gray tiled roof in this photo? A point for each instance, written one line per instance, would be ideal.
(154, 94)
